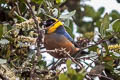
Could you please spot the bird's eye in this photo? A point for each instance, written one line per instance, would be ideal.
(49, 22)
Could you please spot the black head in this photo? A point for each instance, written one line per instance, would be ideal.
(49, 22)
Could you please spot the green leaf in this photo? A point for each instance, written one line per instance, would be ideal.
(49, 16)
(101, 11)
(71, 71)
(89, 11)
(1, 30)
(20, 18)
(93, 48)
(105, 22)
(22, 7)
(67, 22)
(69, 27)
(85, 27)
(80, 76)
(22, 1)
(106, 47)
(3, 1)
(116, 25)
(69, 62)
(104, 25)
(114, 14)
(59, 1)
(38, 1)
(69, 31)
(63, 77)
(42, 64)
(109, 65)
(67, 16)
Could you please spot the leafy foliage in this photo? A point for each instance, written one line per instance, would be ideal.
(116, 25)
(104, 25)
(1, 30)
(71, 74)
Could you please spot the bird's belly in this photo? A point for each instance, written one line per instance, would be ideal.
(56, 41)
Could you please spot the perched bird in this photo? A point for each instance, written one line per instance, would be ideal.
(56, 37)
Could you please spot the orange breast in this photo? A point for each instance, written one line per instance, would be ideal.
(57, 41)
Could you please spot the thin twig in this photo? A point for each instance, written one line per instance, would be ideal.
(80, 65)
(18, 9)
(99, 42)
(54, 64)
(99, 75)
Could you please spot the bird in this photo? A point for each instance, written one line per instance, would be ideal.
(56, 37)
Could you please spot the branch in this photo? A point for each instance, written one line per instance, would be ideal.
(99, 75)
(80, 65)
(39, 40)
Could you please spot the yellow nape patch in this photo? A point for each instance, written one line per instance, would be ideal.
(52, 28)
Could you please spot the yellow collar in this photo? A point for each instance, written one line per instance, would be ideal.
(53, 27)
